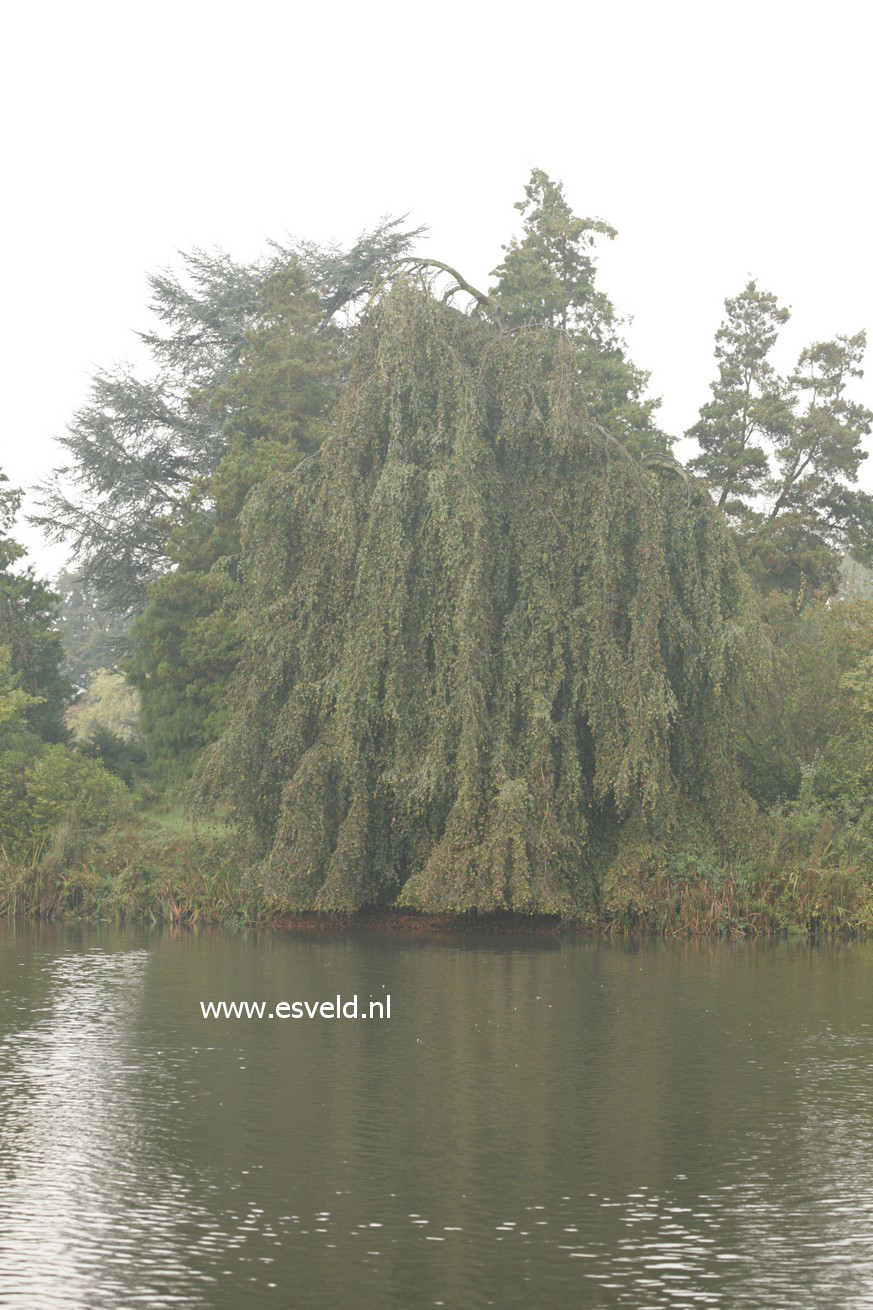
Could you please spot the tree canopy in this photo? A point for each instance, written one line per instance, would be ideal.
(479, 634)
(277, 402)
(146, 436)
(782, 454)
(548, 278)
(405, 573)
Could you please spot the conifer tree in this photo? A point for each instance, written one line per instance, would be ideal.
(815, 512)
(186, 643)
(480, 635)
(750, 408)
(137, 445)
(146, 437)
(547, 278)
(782, 455)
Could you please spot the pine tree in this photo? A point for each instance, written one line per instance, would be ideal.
(750, 410)
(816, 513)
(782, 455)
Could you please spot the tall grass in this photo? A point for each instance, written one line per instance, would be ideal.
(131, 874)
(798, 879)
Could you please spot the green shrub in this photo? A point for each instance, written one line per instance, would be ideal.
(65, 787)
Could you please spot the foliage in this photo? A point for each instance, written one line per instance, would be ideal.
(799, 747)
(93, 638)
(143, 439)
(123, 756)
(42, 781)
(64, 786)
(28, 633)
(479, 634)
(111, 704)
(344, 280)
(106, 726)
(842, 773)
(548, 279)
(467, 636)
(19, 746)
(815, 512)
(135, 447)
(42, 785)
(782, 454)
(749, 409)
(801, 881)
(131, 873)
(185, 646)
(186, 643)
(14, 705)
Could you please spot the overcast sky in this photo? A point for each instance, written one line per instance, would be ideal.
(720, 140)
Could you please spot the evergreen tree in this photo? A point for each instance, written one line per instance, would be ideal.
(141, 442)
(137, 445)
(479, 635)
(782, 455)
(186, 643)
(816, 513)
(750, 408)
(547, 278)
(344, 280)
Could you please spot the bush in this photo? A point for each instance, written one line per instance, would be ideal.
(65, 787)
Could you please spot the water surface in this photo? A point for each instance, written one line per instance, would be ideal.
(541, 1122)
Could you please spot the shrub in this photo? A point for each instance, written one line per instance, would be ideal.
(64, 787)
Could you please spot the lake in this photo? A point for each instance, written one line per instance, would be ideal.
(542, 1121)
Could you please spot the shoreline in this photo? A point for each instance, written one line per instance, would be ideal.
(139, 874)
(446, 925)
(426, 923)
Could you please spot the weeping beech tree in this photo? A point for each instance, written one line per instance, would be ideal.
(481, 636)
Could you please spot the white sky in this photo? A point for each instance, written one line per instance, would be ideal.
(721, 140)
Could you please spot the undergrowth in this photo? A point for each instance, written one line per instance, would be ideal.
(802, 877)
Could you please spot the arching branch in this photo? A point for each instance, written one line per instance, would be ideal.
(486, 303)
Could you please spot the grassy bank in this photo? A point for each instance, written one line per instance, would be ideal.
(160, 869)
(143, 872)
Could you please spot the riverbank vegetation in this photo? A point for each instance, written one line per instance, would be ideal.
(397, 588)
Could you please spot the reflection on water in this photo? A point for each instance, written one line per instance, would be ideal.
(540, 1123)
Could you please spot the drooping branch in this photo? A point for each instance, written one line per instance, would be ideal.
(476, 641)
(492, 310)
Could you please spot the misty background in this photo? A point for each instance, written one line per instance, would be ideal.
(721, 142)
